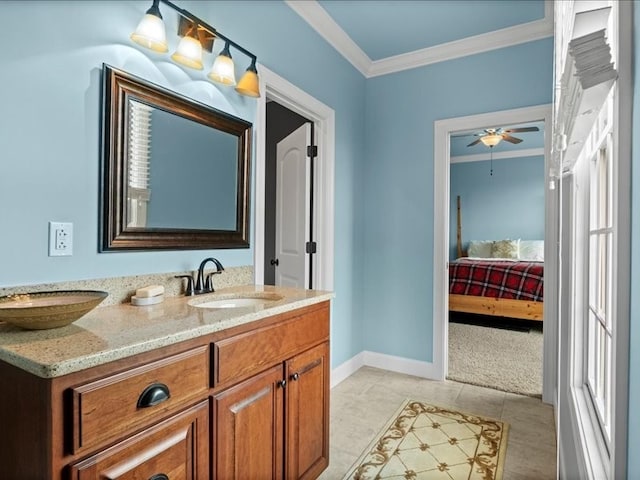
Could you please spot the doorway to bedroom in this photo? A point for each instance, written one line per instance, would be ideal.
(492, 344)
(496, 259)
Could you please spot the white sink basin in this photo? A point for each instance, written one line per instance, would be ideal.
(235, 302)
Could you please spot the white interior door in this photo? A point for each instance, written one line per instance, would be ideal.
(292, 208)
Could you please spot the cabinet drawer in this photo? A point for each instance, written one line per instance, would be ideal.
(177, 448)
(113, 406)
(240, 356)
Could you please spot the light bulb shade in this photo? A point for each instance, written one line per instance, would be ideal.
(491, 140)
(189, 53)
(223, 70)
(150, 33)
(249, 84)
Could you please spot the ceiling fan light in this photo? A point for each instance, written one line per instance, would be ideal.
(491, 140)
(150, 32)
(189, 53)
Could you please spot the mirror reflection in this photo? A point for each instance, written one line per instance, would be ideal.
(168, 188)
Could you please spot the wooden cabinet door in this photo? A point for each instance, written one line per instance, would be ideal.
(248, 428)
(176, 449)
(307, 406)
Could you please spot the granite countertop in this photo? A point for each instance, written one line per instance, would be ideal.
(113, 332)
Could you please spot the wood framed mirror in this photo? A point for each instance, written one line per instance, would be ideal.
(175, 172)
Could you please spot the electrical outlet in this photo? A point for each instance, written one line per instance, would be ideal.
(60, 239)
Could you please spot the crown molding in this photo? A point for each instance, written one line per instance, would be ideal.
(318, 18)
(480, 157)
(506, 37)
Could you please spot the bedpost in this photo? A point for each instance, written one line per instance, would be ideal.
(459, 231)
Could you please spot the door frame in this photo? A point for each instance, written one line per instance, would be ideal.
(276, 88)
(442, 131)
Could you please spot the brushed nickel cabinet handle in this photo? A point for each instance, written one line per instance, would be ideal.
(159, 476)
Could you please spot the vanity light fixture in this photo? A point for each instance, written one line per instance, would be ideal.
(189, 51)
(249, 84)
(150, 32)
(223, 70)
(197, 36)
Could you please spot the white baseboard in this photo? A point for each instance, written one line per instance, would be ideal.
(383, 361)
(348, 368)
(407, 366)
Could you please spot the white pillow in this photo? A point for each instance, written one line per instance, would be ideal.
(480, 248)
(532, 250)
(505, 249)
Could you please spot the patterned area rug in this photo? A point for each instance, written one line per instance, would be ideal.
(422, 441)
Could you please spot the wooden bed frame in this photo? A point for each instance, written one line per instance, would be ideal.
(499, 307)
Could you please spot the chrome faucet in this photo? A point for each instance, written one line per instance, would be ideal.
(202, 284)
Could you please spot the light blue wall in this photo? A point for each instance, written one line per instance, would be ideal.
(398, 212)
(50, 135)
(507, 204)
(633, 459)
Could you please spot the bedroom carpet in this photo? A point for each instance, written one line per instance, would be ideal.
(506, 360)
(423, 441)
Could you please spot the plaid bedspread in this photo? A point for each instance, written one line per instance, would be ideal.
(495, 278)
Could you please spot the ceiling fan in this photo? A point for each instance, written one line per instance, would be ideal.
(491, 137)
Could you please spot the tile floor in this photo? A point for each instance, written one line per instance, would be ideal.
(364, 402)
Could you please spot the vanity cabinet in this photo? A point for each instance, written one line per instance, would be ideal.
(250, 401)
(275, 424)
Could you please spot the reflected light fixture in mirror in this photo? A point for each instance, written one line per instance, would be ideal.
(223, 70)
(150, 32)
(189, 51)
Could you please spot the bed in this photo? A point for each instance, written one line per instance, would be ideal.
(502, 287)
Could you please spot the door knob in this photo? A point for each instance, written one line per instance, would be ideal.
(275, 262)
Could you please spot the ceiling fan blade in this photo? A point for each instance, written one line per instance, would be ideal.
(510, 139)
(474, 143)
(523, 129)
